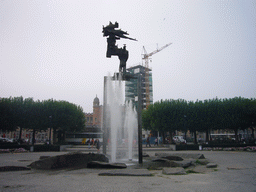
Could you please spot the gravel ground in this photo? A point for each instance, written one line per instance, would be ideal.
(236, 171)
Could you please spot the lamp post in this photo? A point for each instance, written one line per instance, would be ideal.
(50, 118)
(185, 128)
(105, 131)
(139, 109)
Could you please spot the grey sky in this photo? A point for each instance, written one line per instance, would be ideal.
(55, 49)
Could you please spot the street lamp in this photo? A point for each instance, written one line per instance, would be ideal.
(139, 111)
(50, 118)
(185, 128)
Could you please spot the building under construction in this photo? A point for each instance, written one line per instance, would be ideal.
(131, 86)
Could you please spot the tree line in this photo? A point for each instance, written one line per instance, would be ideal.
(40, 115)
(201, 116)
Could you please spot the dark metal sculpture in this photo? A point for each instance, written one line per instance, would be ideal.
(114, 34)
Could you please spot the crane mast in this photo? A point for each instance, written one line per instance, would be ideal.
(145, 57)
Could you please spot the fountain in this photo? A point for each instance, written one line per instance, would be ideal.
(122, 122)
(130, 125)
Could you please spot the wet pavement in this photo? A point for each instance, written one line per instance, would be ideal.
(236, 171)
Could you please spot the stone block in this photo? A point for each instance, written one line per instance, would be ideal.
(145, 155)
(69, 160)
(182, 155)
(159, 163)
(184, 164)
(14, 168)
(173, 157)
(211, 165)
(174, 171)
(126, 172)
(104, 165)
(44, 157)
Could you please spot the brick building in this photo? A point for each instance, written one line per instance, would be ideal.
(94, 119)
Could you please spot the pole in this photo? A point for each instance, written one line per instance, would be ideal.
(50, 117)
(104, 116)
(185, 128)
(33, 137)
(139, 109)
(157, 138)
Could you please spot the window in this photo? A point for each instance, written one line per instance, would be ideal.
(137, 70)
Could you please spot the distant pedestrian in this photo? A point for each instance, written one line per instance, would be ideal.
(89, 144)
(156, 142)
(92, 142)
(148, 142)
(98, 145)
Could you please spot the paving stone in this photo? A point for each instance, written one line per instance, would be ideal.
(174, 171)
(200, 169)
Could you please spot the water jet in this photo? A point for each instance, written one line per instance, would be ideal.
(121, 121)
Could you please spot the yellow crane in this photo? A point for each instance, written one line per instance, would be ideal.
(145, 56)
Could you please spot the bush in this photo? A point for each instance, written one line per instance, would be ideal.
(226, 145)
(220, 146)
(40, 148)
(13, 146)
(187, 147)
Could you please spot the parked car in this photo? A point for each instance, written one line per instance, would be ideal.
(24, 141)
(5, 140)
(179, 139)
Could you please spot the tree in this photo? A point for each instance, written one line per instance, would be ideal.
(65, 116)
(27, 113)
(6, 115)
(194, 117)
(250, 115)
(170, 115)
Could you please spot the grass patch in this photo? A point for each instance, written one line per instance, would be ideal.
(199, 162)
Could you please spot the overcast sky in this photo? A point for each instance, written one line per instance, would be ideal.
(55, 49)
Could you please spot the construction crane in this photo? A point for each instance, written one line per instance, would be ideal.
(145, 57)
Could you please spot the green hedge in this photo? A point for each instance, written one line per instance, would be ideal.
(228, 145)
(13, 146)
(223, 145)
(186, 147)
(41, 148)
(37, 148)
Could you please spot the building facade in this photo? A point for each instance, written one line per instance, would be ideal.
(131, 90)
(131, 87)
(89, 119)
(95, 119)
